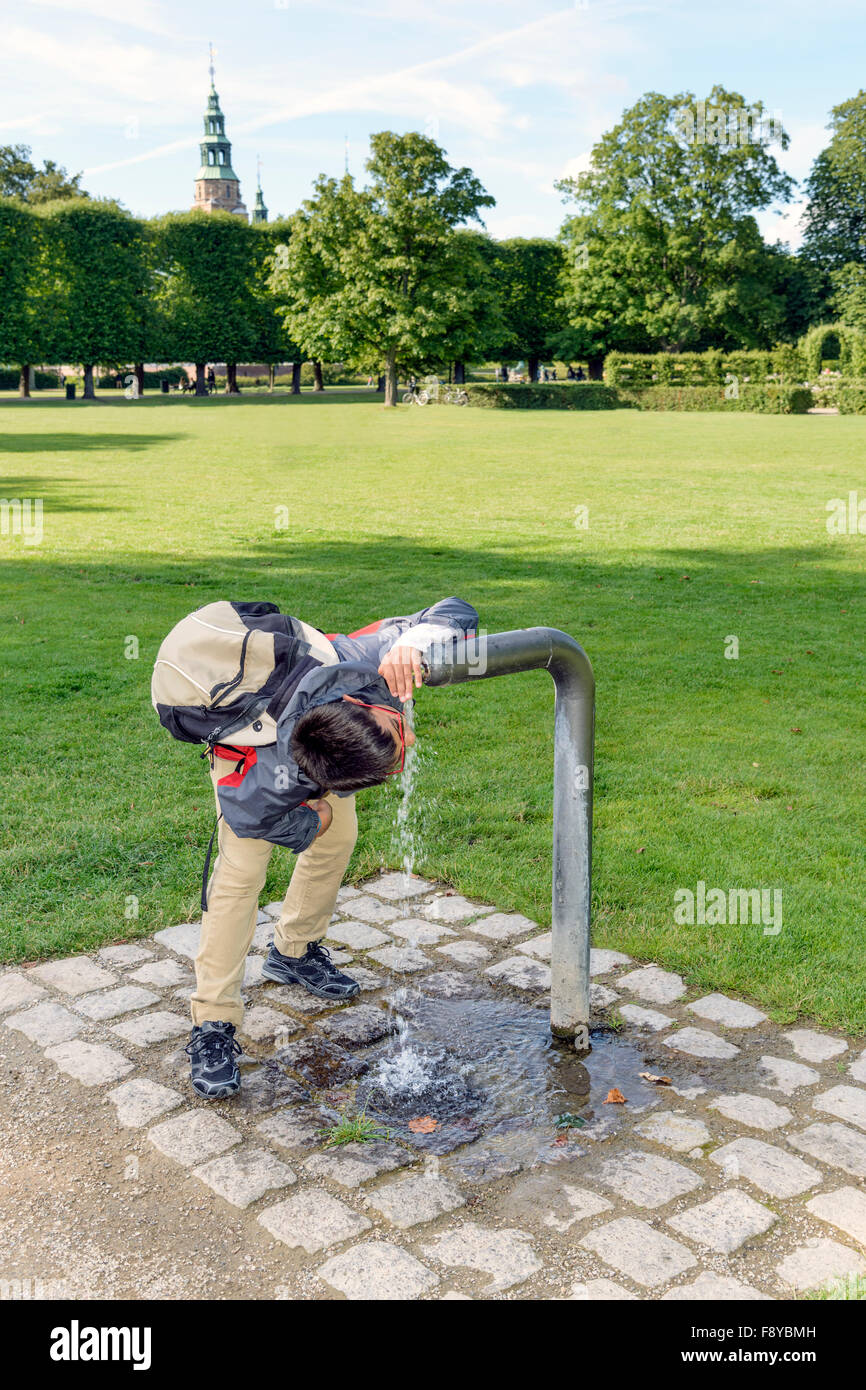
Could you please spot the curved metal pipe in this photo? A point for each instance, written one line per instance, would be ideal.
(529, 649)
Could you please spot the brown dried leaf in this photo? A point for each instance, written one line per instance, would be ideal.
(423, 1124)
(614, 1097)
(659, 1080)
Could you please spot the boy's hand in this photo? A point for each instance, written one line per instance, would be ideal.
(325, 813)
(400, 667)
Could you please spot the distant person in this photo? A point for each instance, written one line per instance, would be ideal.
(211, 379)
(570, 372)
(580, 374)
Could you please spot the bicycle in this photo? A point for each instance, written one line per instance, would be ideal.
(455, 396)
(415, 397)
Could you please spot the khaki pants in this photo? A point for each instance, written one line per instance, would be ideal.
(233, 899)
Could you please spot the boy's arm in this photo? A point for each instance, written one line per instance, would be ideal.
(400, 654)
(257, 796)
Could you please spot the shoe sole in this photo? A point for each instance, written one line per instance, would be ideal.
(311, 989)
(213, 1092)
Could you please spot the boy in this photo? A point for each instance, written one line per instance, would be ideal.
(333, 724)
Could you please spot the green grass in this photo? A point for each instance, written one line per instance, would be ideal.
(700, 526)
(352, 1129)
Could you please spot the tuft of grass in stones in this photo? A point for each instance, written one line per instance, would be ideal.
(352, 1129)
(615, 1022)
(849, 1289)
(569, 1121)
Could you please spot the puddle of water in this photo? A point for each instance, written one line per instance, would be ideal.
(494, 1059)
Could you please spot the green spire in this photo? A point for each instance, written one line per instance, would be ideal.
(216, 150)
(260, 212)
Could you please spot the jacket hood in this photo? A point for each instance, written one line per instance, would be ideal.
(327, 683)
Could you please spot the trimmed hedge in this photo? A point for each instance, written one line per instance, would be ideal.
(757, 400)
(851, 400)
(702, 368)
(10, 378)
(580, 395)
(595, 395)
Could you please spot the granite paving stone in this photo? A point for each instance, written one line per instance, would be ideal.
(697, 1042)
(16, 990)
(359, 936)
(834, 1144)
(320, 1062)
(312, 1220)
(343, 896)
(714, 1288)
(520, 972)
(465, 952)
(404, 960)
(253, 967)
(151, 1028)
(646, 1179)
(297, 1128)
(505, 1254)
(46, 1023)
(75, 975)
(366, 979)
(90, 1063)
(399, 886)
(350, 1165)
(652, 984)
(264, 1024)
(676, 1129)
(601, 1290)
(182, 939)
(358, 1025)
(563, 1203)
(758, 1112)
(815, 1047)
(845, 1102)
(373, 911)
(845, 1208)
(418, 932)
(636, 1249)
(376, 1270)
(244, 1174)
(601, 962)
(162, 974)
(771, 1169)
(601, 996)
(778, 1074)
(298, 999)
(267, 1088)
(819, 1263)
(502, 926)
(193, 1137)
(731, 1013)
(111, 1003)
(451, 908)
(140, 1100)
(541, 947)
(121, 957)
(725, 1222)
(415, 1199)
(857, 1068)
(645, 1018)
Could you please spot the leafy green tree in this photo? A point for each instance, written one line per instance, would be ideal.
(20, 178)
(373, 276)
(664, 252)
(22, 327)
(206, 297)
(530, 284)
(835, 218)
(96, 284)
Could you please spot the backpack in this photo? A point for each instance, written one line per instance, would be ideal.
(229, 669)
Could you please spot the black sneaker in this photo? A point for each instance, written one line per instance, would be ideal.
(314, 970)
(212, 1049)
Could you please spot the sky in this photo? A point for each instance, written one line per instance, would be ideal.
(519, 92)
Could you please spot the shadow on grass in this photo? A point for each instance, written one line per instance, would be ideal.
(79, 443)
(156, 401)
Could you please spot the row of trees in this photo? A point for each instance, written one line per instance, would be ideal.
(660, 252)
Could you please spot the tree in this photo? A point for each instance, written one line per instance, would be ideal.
(19, 178)
(530, 286)
(835, 218)
(97, 284)
(373, 276)
(273, 343)
(207, 291)
(22, 327)
(664, 252)
(477, 328)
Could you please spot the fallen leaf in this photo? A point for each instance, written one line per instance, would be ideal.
(560, 1140)
(642, 850)
(659, 1080)
(424, 1124)
(796, 731)
(614, 1097)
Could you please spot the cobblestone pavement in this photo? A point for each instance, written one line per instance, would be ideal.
(740, 1175)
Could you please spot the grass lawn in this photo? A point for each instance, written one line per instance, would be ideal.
(744, 773)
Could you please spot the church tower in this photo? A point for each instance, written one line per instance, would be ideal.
(217, 187)
(260, 212)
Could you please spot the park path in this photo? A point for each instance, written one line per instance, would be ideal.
(740, 1175)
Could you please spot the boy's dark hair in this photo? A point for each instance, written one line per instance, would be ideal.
(342, 747)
